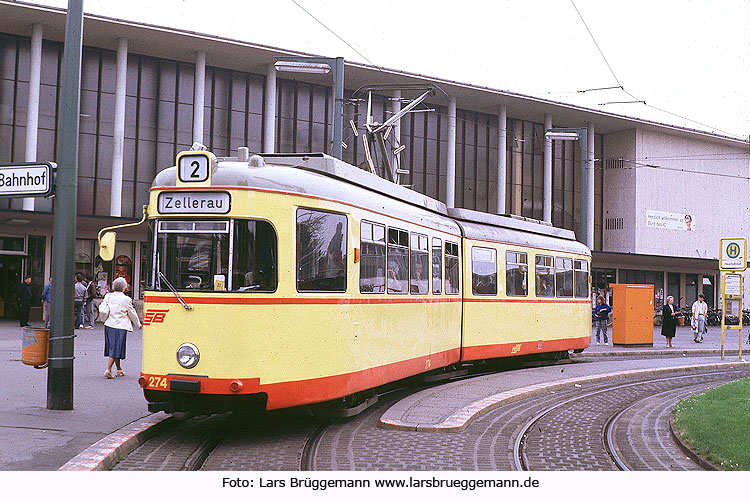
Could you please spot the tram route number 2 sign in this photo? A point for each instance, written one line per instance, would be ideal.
(733, 254)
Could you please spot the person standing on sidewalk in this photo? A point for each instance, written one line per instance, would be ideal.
(89, 303)
(47, 302)
(80, 300)
(116, 309)
(601, 314)
(24, 301)
(700, 309)
(669, 320)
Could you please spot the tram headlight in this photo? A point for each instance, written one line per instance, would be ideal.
(187, 355)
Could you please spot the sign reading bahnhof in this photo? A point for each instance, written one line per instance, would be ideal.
(733, 254)
(27, 180)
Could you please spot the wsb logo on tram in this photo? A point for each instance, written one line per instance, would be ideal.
(154, 317)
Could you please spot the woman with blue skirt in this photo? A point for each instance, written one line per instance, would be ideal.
(119, 318)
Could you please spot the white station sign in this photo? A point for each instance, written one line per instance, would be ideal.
(733, 256)
(26, 180)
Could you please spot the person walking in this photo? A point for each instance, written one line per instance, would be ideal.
(47, 302)
(669, 320)
(700, 309)
(116, 309)
(88, 306)
(24, 301)
(80, 300)
(601, 314)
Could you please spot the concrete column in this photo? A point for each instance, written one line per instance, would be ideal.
(118, 148)
(450, 186)
(502, 158)
(199, 96)
(269, 111)
(517, 169)
(547, 170)
(395, 108)
(32, 115)
(590, 189)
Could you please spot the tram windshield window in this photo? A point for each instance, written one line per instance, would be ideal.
(420, 262)
(516, 273)
(321, 251)
(581, 273)
(544, 270)
(372, 259)
(398, 261)
(564, 276)
(254, 256)
(483, 271)
(192, 255)
(437, 265)
(451, 268)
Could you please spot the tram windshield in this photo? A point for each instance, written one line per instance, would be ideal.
(237, 255)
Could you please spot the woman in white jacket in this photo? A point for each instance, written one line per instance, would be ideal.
(117, 310)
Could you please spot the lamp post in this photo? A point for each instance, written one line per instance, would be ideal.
(587, 173)
(322, 65)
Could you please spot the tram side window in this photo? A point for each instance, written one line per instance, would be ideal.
(420, 262)
(564, 276)
(321, 251)
(452, 285)
(372, 260)
(544, 270)
(397, 279)
(254, 264)
(483, 271)
(437, 265)
(516, 273)
(581, 272)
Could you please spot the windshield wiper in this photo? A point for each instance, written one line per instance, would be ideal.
(161, 277)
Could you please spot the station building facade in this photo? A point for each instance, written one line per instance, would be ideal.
(150, 92)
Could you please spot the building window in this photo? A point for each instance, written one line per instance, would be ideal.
(544, 271)
(516, 273)
(321, 251)
(420, 261)
(452, 275)
(398, 261)
(372, 261)
(483, 271)
(564, 276)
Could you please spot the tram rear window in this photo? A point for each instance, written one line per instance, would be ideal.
(321, 251)
(452, 276)
(581, 272)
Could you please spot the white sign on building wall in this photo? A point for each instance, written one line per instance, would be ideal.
(669, 220)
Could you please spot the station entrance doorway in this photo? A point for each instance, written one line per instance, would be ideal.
(11, 268)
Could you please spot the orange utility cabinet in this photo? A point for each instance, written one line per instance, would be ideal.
(632, 314)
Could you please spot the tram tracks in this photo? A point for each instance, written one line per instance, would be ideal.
(605, 425)
(605, 442)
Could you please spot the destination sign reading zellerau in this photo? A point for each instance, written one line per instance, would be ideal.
(733, 255)
(194, 202)
(27, 180)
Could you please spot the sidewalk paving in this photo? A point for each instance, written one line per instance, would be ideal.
(34, 438)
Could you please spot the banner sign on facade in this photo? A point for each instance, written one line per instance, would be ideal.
(669, 221)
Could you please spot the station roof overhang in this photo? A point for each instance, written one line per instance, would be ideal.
(169, 43)
(624, 260)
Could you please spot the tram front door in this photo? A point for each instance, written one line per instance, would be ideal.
(10, 278)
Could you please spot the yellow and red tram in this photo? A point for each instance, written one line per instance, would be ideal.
(284, 280)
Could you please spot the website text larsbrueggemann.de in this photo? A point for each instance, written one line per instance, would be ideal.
(318, 484)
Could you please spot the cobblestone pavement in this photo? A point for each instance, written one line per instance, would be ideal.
(569, 437)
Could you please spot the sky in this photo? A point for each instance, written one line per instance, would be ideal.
(688, 60)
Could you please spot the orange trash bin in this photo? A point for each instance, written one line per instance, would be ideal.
(35, 347)
(633, 314)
